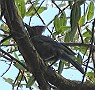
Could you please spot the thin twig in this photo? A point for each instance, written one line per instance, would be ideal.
(91, 49)
(57, 15)
(7, 45)
(15, 81)
(79, 44)
(37, 9)
(26, 82)
(7, 69)
(80, 34)
(42, 19)
(6, 38)
(4, 31)
(88, 22)
(21, 72)
(13, 59)
(57, 6)
(36, 12)
(89, 67)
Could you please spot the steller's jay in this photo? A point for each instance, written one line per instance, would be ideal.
(51, 50)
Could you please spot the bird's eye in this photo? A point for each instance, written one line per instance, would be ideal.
(36, 28)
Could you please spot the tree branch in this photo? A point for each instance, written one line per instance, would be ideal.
(80, 44)
(26, 48)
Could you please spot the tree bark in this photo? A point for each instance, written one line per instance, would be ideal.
(26, 48)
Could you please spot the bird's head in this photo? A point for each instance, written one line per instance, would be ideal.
(35, 30)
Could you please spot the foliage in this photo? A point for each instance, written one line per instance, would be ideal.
(74, 27)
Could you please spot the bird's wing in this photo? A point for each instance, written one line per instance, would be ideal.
(68, 50)
(56, 44)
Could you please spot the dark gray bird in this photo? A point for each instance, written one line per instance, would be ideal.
(51, 50)
(38, 30)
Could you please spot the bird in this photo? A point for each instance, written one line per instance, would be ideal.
(50, 50)
(38, 30)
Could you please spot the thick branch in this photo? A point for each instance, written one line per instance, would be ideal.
(26, 48)
(66, 84)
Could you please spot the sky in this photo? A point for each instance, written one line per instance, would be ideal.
(47, 16)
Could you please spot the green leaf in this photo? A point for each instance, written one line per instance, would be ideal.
(67, 64)
(62, 29)
(31, 81)
(16, 56)
(82, 49)
(9, 80)
(19, 66)
(30, 11)
(91, 74)
(79, 58)
(87, 39)
(63, 19)
(20, 77)
(86, 34)
(60, 23)
(62, 4)
(21, 7)
(56, 24)
(90, 13)
(82, 20)
(68, 37)
(61, 66)
(6, 42)
(90, 77)
(74, 18)
(4, 27)
(41, 9)
(89, 30)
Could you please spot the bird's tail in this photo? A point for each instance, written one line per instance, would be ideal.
(67, 58)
